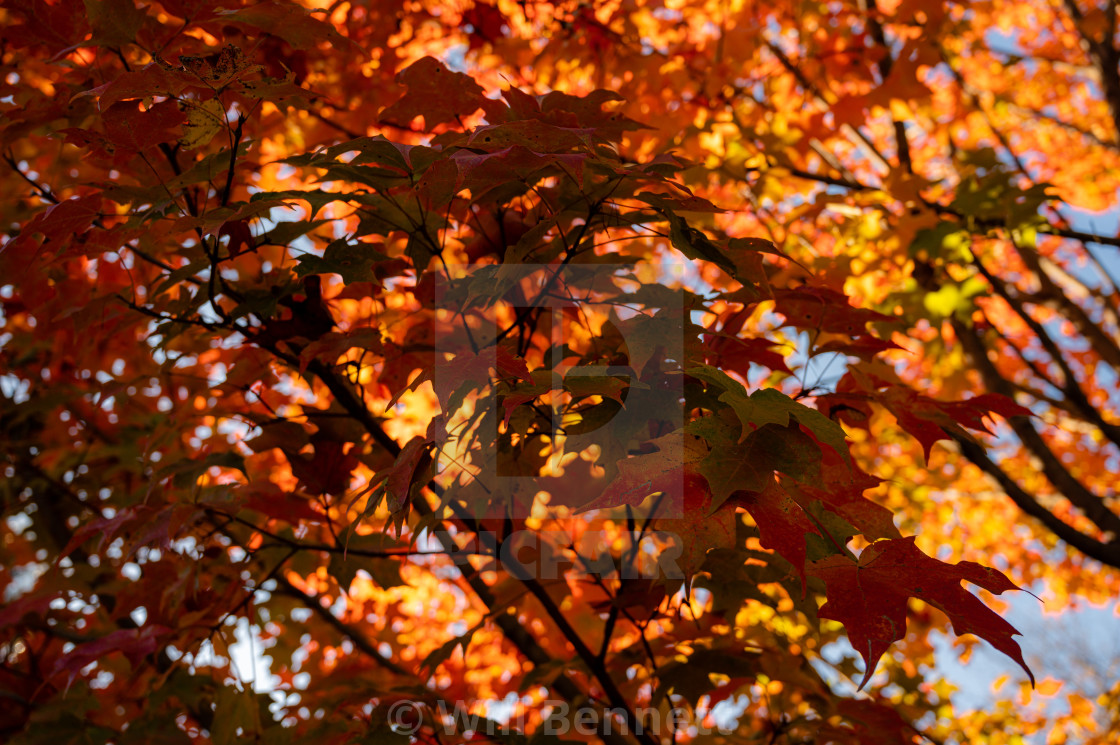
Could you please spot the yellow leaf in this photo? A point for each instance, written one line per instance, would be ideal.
(1048, 687)
(1056, 737)
(204, 120)
(1080, 707)
(944, 301)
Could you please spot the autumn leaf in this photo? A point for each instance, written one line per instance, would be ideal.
(398, 479)
(782, 524)
(435, 93)
(352, 261)
(205, 119)
(153, 79)
(826, 310)
(661, 470)
(293, 24)
(114, 22)
(134, 644)
(66, 219)
(750, 465)
(703, 525)
(870, 597)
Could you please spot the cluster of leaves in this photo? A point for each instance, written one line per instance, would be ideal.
(298, 334)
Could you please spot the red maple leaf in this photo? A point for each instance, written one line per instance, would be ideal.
(870, 597)
(435, 93)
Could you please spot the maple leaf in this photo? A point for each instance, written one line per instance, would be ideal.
(135, 644)
(769, 406)
(873, 721)
(732, 353)
(240, 236)
(870, 597)
(31, 604)
(485, 173)
(435, 93)
(107, 527)
(293, 24)
(750, 465)
(691, 678)
(662, 470)
(277, 504)
(154, 79)
(328, 470)
(352, 261)
(703, 526)
(130, 128)
(534, 135)
(204, 120)
(852, 409)
(398, 478)
(865, 347)
(930, 421)
(972, 412)
(782, 524)
(66, 219)
(215, 70)
(114, 22)
(840, 488)
(467, 367)
(564, 109)
(825, 309)
(486, 22)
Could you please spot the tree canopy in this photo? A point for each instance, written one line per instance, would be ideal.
(718, 358)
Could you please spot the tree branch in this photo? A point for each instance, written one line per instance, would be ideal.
(1104, 56)
(885, 64)
(1092, 505)
(1106, 553)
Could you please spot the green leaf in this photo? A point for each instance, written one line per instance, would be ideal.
(954, 299)
(823, 428)
(750, 465)
(947, 241)
(838, 530)
(754, 411)
(771, 406)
